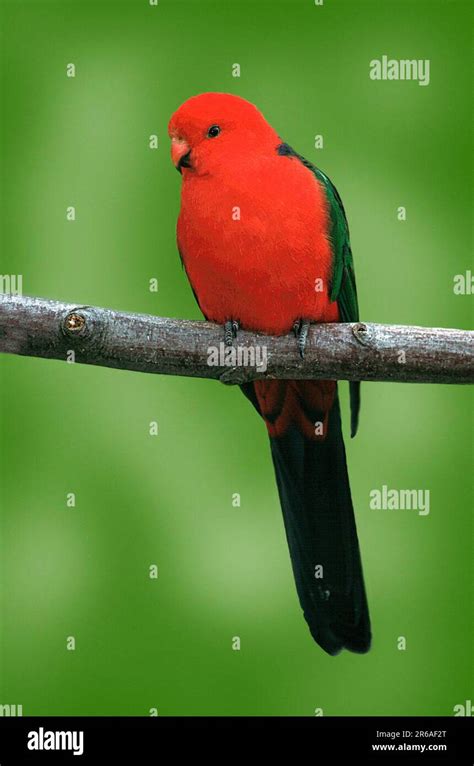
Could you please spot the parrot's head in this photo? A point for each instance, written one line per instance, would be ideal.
(209, 130)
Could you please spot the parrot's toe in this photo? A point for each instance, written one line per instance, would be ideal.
(231, 329)
(300, 329)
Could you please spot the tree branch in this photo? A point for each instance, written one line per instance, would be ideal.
(361, 351)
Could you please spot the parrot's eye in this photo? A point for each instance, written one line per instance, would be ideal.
(213, 131)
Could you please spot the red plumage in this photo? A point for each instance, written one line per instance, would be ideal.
(259, 264)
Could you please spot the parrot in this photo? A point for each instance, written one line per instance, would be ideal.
(259, 229)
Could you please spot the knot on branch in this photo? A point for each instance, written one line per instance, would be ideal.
(84, 329)
(75, 324)
(362, 334)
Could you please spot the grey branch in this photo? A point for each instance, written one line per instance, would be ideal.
(360, 351)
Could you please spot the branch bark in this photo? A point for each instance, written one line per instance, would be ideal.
(361, 351)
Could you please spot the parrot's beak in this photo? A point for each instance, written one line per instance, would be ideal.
(180, 153)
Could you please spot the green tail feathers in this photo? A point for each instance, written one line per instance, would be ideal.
(320, 527)
(354, 398)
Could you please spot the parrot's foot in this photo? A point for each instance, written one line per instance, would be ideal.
(231, 329)
(300, 329)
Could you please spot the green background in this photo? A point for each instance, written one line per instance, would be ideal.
(141, 500)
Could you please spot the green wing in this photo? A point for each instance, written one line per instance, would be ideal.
(343, 284)
(343, 287)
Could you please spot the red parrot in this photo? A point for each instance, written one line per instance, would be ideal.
(264, 240)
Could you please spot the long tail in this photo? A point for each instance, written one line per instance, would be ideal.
(313, 484)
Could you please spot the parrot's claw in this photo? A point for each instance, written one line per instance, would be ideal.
(300, 329)
(297, 327)
(231, 329)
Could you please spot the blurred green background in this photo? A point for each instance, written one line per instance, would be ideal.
(167, 500)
